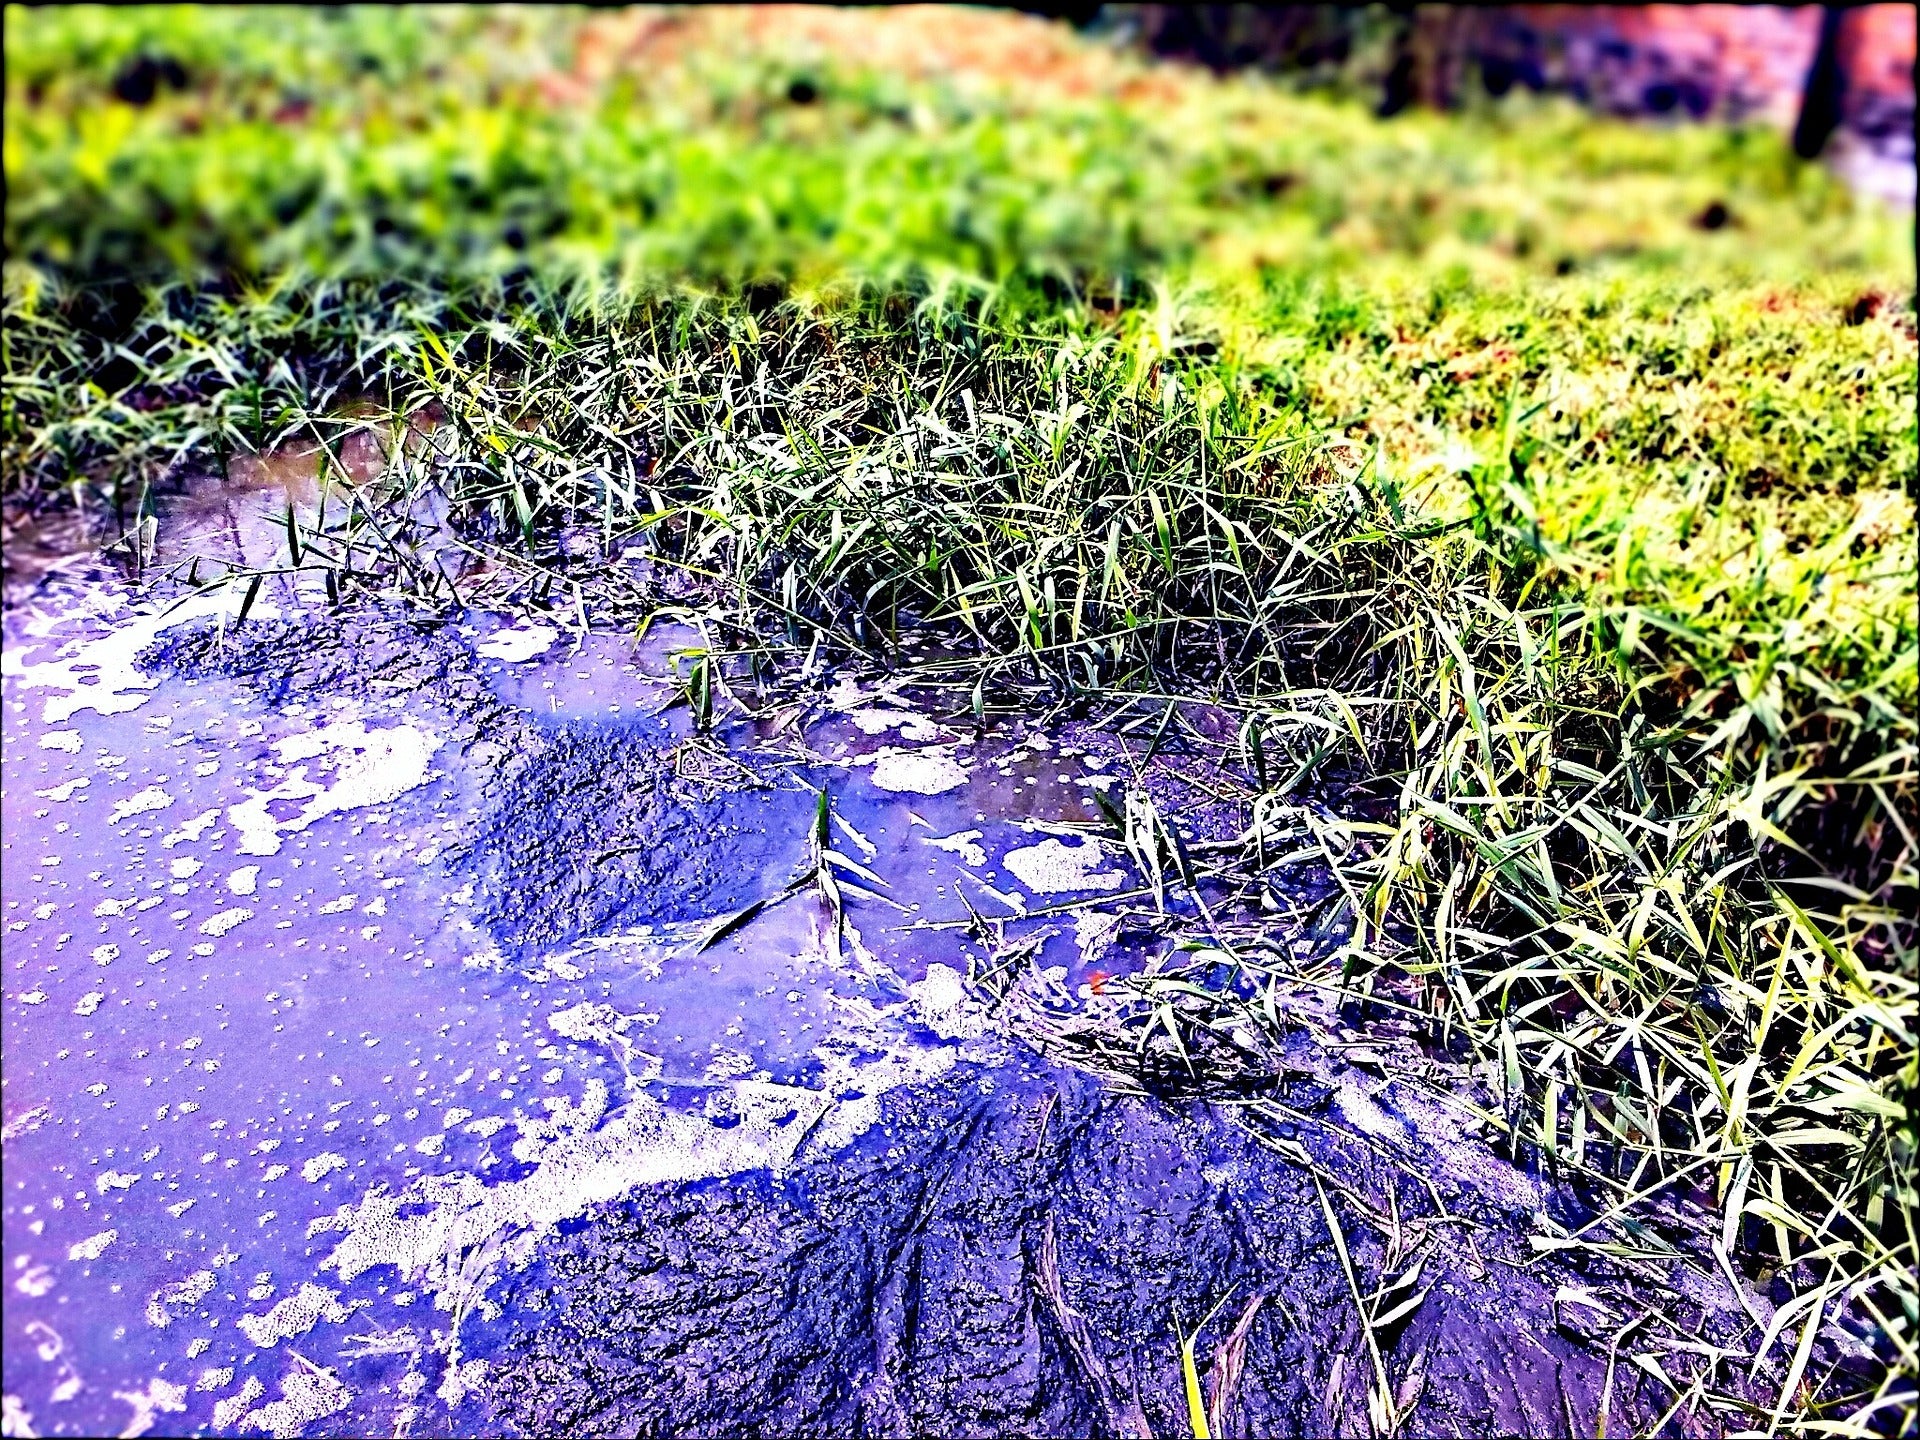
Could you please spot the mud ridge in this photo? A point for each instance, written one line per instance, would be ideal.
(1001, 1259)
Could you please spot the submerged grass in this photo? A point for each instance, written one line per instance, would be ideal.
(1490, 460)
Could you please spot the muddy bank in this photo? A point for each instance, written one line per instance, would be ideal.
(1013, 1258)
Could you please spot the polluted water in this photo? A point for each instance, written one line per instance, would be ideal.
(416, 1023)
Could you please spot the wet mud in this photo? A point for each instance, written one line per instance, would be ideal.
(1012, 1259)
(583, 823)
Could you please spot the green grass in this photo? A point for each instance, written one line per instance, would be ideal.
(1453, 451)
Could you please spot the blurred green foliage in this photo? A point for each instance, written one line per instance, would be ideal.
(421, 141)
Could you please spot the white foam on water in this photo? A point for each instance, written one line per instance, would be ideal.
(942, 1004)
(519, 644)
(218, 925)
(141, 802)
(911, 725)
(1054, 868)
(160, 1397)
(294, 1316)
(93, 1247)
(227, 1413)
(370, 767)
(322, 1165)
(185, 1294)
(189, 831)
(644, 1144)
(965, 844)
(101, 674)
(1095, 934)
(917, 772)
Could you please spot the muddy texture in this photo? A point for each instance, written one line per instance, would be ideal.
(582, 826)
(588, 835)
(370, 654)
(1003, 1259)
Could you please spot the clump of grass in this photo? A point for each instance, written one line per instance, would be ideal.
(1451, 453)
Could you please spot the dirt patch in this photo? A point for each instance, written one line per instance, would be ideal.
(1019, 54)
(371, 653)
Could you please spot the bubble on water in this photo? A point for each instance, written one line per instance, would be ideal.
(65, 791)
(88, 1003)
(244, 880)
(67, 740)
